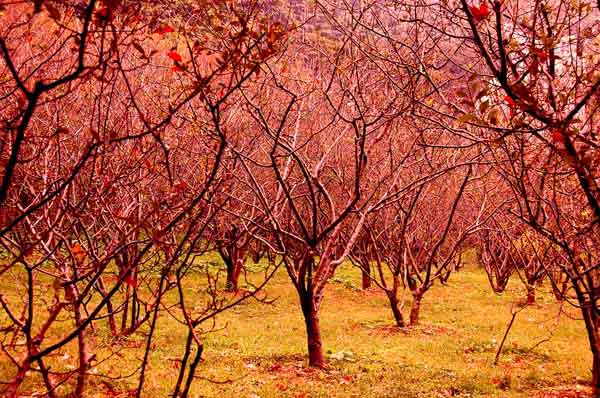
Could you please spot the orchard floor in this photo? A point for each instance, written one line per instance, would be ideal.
(260, 350)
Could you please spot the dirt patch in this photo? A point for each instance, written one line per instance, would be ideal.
(290, 371)
(576, 391)
(286, 366)
(371, 292)
(419, 330)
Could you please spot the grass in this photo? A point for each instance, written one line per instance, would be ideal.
(260, 349)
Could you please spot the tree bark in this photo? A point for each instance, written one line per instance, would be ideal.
(81, 347)
(530, 294)
(256, 257)
(83, 362)
(232, 285)
(135, 311)
(109, 308)
(366, 276)
(559, 293)
(592, 323)
(234, 269)
(13, 386)
(125, 315)
(313, 334)
(396, 310)
(415, 309)
(596, 374)
(234, 262)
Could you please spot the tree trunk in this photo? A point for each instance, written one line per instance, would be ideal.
(135, 311)
(366, 276)
(559, 293)
(596, 375)
(530, 294)
(237, 270)
(13, 386)
(83, 363)
(232, 284)
(313, 334)
(82, 348)
(109, 308)
(415, 309)
(256, 256)
(234, 261)
(125, 311)
(234, 269)
(396, 310)
(592, 326)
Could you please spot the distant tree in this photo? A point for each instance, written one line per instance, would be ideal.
(419, 244)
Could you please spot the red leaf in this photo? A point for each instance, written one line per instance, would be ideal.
(346, 379)
(102, 12)
(175, 56)
(281, 387)
(480, 13)
(484, 11)
(164, 30)
(542, 55)
(21, 100)
(79, 253)
(276, 367)
(130, 280)
(181, 186)
(510, 101)
(558, 137)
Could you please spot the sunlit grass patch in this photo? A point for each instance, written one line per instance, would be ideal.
(258, 350)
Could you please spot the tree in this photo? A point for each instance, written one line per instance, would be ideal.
(308, 167)
(115, 137)
(418, 244)
(532, 101)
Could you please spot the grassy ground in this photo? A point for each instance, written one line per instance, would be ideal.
(260, 352)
